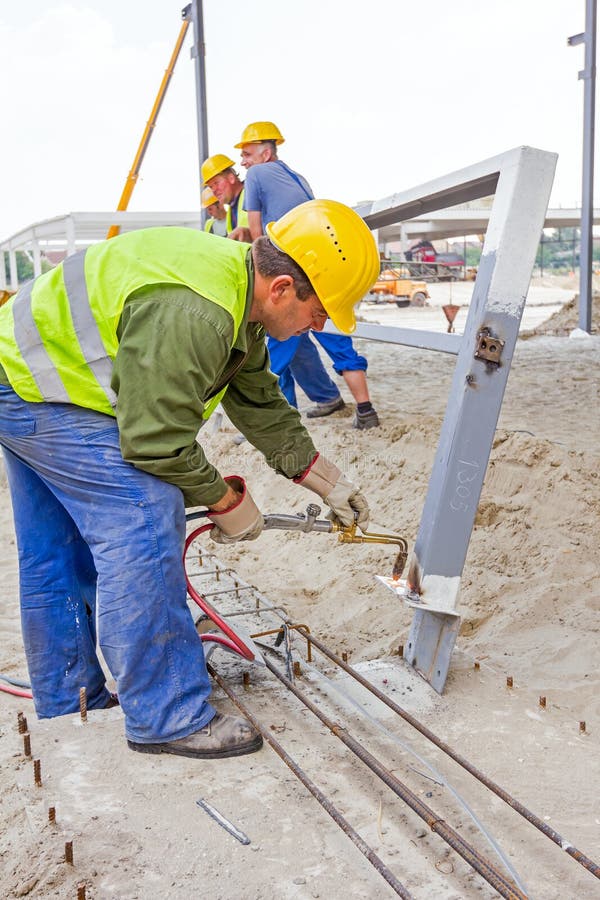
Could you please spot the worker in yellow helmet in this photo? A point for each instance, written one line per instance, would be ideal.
(219, 175)
(217, 215)
(109, 365)
(271, 189)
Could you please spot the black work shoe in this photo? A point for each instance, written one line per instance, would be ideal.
(368, 419)
(113, 700)
(223, 736)
(325, 409)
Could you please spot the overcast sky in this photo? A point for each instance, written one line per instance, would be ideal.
(372, 97)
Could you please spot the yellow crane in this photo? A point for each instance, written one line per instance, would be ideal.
(143, 146)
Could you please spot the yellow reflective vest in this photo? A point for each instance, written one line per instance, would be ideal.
(58, 334)
(242, 215)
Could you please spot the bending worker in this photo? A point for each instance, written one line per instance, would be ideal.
(217, 214)
(109, 364)
(272, 189)
(221, 178)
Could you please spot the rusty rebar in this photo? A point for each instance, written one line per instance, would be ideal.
(81, 892)
(522, 810)
(21, 723)
(303, 629)
(329, 808)
(69, 852)
(52, 814)
(37, 772)
(83, 704)
(27, 744)
(505, 887)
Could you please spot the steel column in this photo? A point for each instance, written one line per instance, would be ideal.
(14, 277)
(587, 197)
(482, 367)
(70, 234)
(588, 76)
(198, 53)
(37, 260)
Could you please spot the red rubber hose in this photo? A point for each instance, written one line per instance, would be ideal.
(238, 645)
(16, 691)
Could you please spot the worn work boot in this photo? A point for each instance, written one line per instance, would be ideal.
(368, 419)
(223, 736)
(325, 409)
(113, 700)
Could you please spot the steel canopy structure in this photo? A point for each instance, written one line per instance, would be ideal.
(522, 179)
(74, 230)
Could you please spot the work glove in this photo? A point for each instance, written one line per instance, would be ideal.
(343, 498)
(241, 522)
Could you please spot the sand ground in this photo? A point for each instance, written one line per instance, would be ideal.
(530, 607)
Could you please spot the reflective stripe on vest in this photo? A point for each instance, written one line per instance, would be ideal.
(58, 334)
(86, 327)
(242, 215)
(33, 352)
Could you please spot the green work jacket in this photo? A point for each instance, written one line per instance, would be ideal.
(170, 310)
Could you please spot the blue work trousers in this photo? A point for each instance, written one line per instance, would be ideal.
(298, 360)
(100, 548)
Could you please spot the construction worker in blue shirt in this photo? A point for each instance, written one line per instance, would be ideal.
(217, 215)
(272, 189)
(109, 365)
(219, 175)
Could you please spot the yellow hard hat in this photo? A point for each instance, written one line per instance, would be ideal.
(208, 198)
(214, 165)
(335, 249)
(257, 132)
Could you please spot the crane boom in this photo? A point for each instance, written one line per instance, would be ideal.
(143, 146)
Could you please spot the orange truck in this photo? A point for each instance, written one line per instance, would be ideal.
(393, 286)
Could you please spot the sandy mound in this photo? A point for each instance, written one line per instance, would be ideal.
(563, 321)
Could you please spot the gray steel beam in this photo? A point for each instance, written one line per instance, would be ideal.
(198, 54)
(588, 75)
(524, 179)
(408, 337)
(472, 183)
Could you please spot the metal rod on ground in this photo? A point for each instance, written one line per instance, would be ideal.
(581, 858)
(316, 792)
(504, 887)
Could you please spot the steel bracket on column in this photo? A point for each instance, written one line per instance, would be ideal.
(520, 181)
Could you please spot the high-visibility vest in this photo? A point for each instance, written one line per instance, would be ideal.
(242, 215)
(216, 226)
(58, 334)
